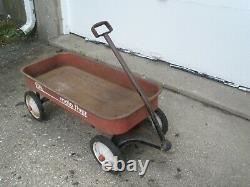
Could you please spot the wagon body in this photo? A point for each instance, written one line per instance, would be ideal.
(99, 94)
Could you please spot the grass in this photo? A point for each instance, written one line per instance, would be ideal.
(9, 32)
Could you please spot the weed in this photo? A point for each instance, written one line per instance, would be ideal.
(9, 32)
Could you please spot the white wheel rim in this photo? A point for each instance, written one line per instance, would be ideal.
(32, 107)
(159, 120)
(101, 149)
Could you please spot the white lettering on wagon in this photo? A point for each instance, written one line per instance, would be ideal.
(38, 86)
(74, 107)
(65, 102)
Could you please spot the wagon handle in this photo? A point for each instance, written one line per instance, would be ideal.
(101, 23)
(165, 144)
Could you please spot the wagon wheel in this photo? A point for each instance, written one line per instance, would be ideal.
(34, 105)
(162, 120)
(104, 150)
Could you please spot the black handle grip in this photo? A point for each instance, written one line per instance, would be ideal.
(93, 28)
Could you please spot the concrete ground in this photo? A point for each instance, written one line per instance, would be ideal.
(210, 147)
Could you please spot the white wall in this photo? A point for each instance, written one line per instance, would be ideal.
(212, 37)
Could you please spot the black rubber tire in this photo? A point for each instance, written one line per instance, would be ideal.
(38, 104)
(163, 119)
(112, 147)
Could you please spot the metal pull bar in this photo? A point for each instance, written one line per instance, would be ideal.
(139, 90)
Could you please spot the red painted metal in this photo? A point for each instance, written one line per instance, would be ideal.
(111, 126)
(101, 158)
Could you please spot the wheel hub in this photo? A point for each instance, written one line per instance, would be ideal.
(29, 107)
(101, 158)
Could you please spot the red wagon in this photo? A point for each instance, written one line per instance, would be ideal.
(101, 95)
